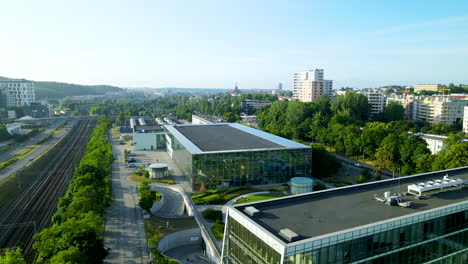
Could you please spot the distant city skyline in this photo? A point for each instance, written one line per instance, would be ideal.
(214, 44)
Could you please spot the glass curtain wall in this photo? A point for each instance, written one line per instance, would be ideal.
(243, 247)
(220, 170)
(444, 239)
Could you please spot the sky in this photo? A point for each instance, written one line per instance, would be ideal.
(214, 44)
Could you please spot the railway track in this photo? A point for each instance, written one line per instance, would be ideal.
(32, 210)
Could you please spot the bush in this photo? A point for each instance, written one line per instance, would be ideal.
(146, 174)
(318, 186)
(212, 215)
(362, 179)
(218, 230)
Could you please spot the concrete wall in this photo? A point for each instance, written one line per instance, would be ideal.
(180, 238)
(157, 205)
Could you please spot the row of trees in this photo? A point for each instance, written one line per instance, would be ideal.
(76, 233)
(344, 124)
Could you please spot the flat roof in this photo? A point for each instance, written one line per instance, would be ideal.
(338, 209)
(229, 137)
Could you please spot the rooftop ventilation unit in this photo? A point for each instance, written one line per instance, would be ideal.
(252, 211)
(436, 186)
(288, 234)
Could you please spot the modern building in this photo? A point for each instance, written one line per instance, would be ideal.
(18, 93)
(230, 154)
(440, 109)
(379, 222)
(148, 138)
(252, 105)
(376, 99)
(310, 85)
(427, 87)
(406, 100)
(465, 120)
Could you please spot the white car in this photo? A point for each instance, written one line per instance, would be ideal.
(358, 164)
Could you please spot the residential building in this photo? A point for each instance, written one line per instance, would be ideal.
(435, 143)
(427, 87)
(230, 154)
(440, 109)
(252, 105)
(18, 93)
(406, 100)
(310, 85)
(414, 219)
(376, 99)
(465, 120)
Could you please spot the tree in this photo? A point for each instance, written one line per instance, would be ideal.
(231, 117)
(412, 149)
(372, 137)
(441, 129)
(353, 105)
(394, 112)
(12, 257)
(147, 199)
(4, 135)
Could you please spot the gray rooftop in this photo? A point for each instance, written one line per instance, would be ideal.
(338, 209)
(224, 137)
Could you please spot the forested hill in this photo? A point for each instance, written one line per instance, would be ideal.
(60, 90)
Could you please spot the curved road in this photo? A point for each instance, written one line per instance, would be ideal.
(173, 202)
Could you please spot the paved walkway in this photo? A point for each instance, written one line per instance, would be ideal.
(173, 202)
(124, 230)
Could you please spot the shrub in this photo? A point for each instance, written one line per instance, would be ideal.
(362, 179)
(212, 215)
(318, 186)
(218, 230)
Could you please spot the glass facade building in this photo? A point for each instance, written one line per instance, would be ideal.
(227, 168)
(436, 235)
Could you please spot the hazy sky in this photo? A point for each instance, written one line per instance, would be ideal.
(213, 44)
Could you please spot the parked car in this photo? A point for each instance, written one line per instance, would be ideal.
(131, 154)
(131, 165)
(357, 164)
(131, 160)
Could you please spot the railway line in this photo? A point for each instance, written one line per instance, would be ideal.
(32, 211)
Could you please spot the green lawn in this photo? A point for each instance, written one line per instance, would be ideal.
(220, 196)
(260, 197)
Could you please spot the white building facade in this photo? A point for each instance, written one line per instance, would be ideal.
(18, 93)
(440, 109)
(376, 99)
(465, 120)
(310, 85)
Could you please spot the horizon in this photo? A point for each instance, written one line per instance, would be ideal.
(214, 44)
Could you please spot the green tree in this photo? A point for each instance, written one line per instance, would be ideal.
(4, 135)
(231, 117)
(352, 105)
(441, 129)
(394, 112)
(147, 199)
(12, 257)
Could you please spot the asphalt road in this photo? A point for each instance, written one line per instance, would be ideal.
(23, 162)
(124, 231)
(173, 203)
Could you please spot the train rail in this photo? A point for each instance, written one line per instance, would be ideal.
(31, 212)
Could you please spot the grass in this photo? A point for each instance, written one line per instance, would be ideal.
(220, 196)
(8, 147)
(260, 197)
(139, 179)
(218, 230)
(19, 155)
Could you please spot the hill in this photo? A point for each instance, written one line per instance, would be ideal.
(60, 89)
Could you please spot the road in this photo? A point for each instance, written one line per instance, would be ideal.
(173, 202)
(124, 231)
(5, 173)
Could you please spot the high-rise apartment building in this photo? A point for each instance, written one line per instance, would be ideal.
(465, 120)
(310, 85)
(376, 99)
(440, 109)
(17, 93)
